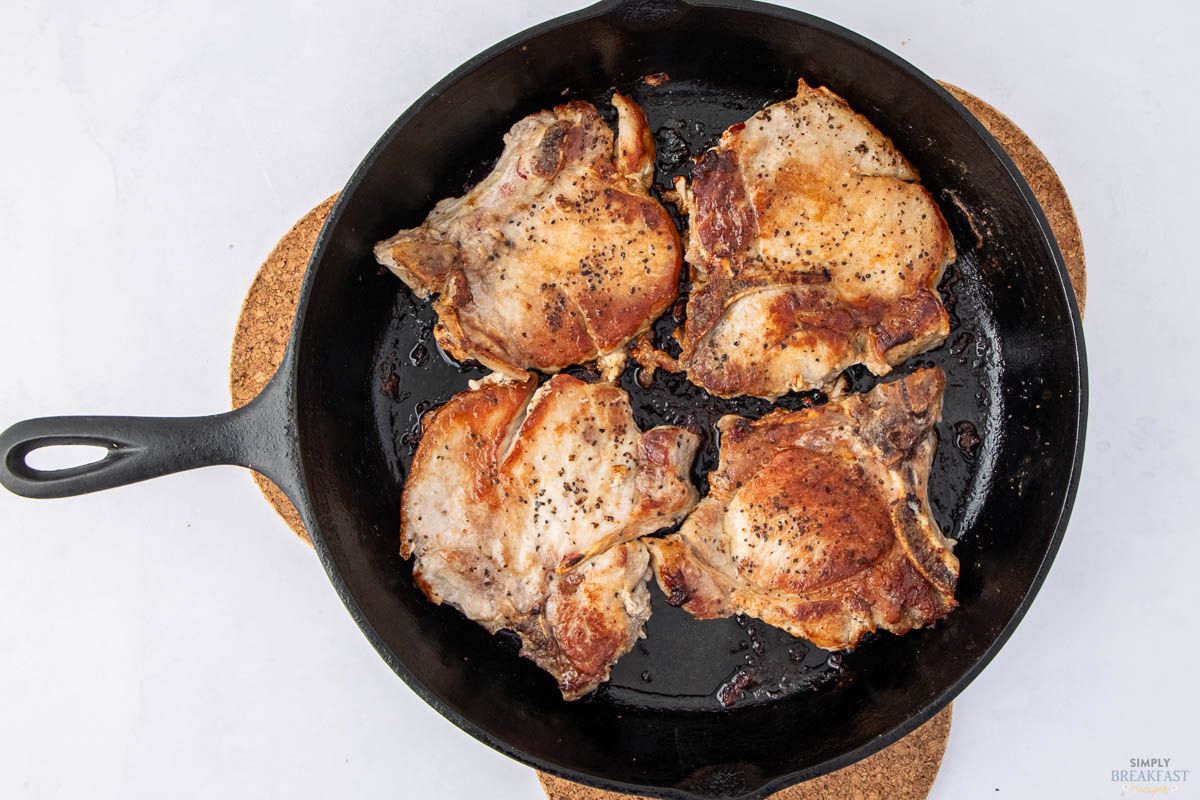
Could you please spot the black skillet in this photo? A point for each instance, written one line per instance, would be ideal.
(723, 708)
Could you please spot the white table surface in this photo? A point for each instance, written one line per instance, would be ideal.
(173, 639)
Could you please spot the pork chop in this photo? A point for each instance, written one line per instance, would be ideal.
(818, 520)
(522, 509)
(559, 256)
(812, 247)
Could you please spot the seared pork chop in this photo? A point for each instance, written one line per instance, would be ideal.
(812, 247)
(558, 257)
(522, 509)
(818, 520)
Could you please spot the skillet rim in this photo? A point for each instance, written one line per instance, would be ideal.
(608, 8)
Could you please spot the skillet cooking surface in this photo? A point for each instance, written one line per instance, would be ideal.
(721, 707)
(684, 662)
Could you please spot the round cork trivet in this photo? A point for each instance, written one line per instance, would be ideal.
(263, 328)
(904, 770)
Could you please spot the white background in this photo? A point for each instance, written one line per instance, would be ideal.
(173, 639)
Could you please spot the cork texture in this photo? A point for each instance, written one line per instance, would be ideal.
(904, 770)
(263, 328)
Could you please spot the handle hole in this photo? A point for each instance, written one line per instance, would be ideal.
(64, 456)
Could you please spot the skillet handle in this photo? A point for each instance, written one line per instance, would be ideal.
(257, 435)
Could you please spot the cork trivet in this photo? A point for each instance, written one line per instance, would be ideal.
(263, 328)
(904, 770)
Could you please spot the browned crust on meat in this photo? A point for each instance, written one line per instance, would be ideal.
(486, 414)
(635, 142)
(523, 506)
(832, 535)
(606, 406)
(816, 303)
(662, 452)
(803, 499)
(724, 220)
(650, 359)
(682, 577)
(559, 257)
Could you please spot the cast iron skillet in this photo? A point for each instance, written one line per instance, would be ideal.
(723, 708)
